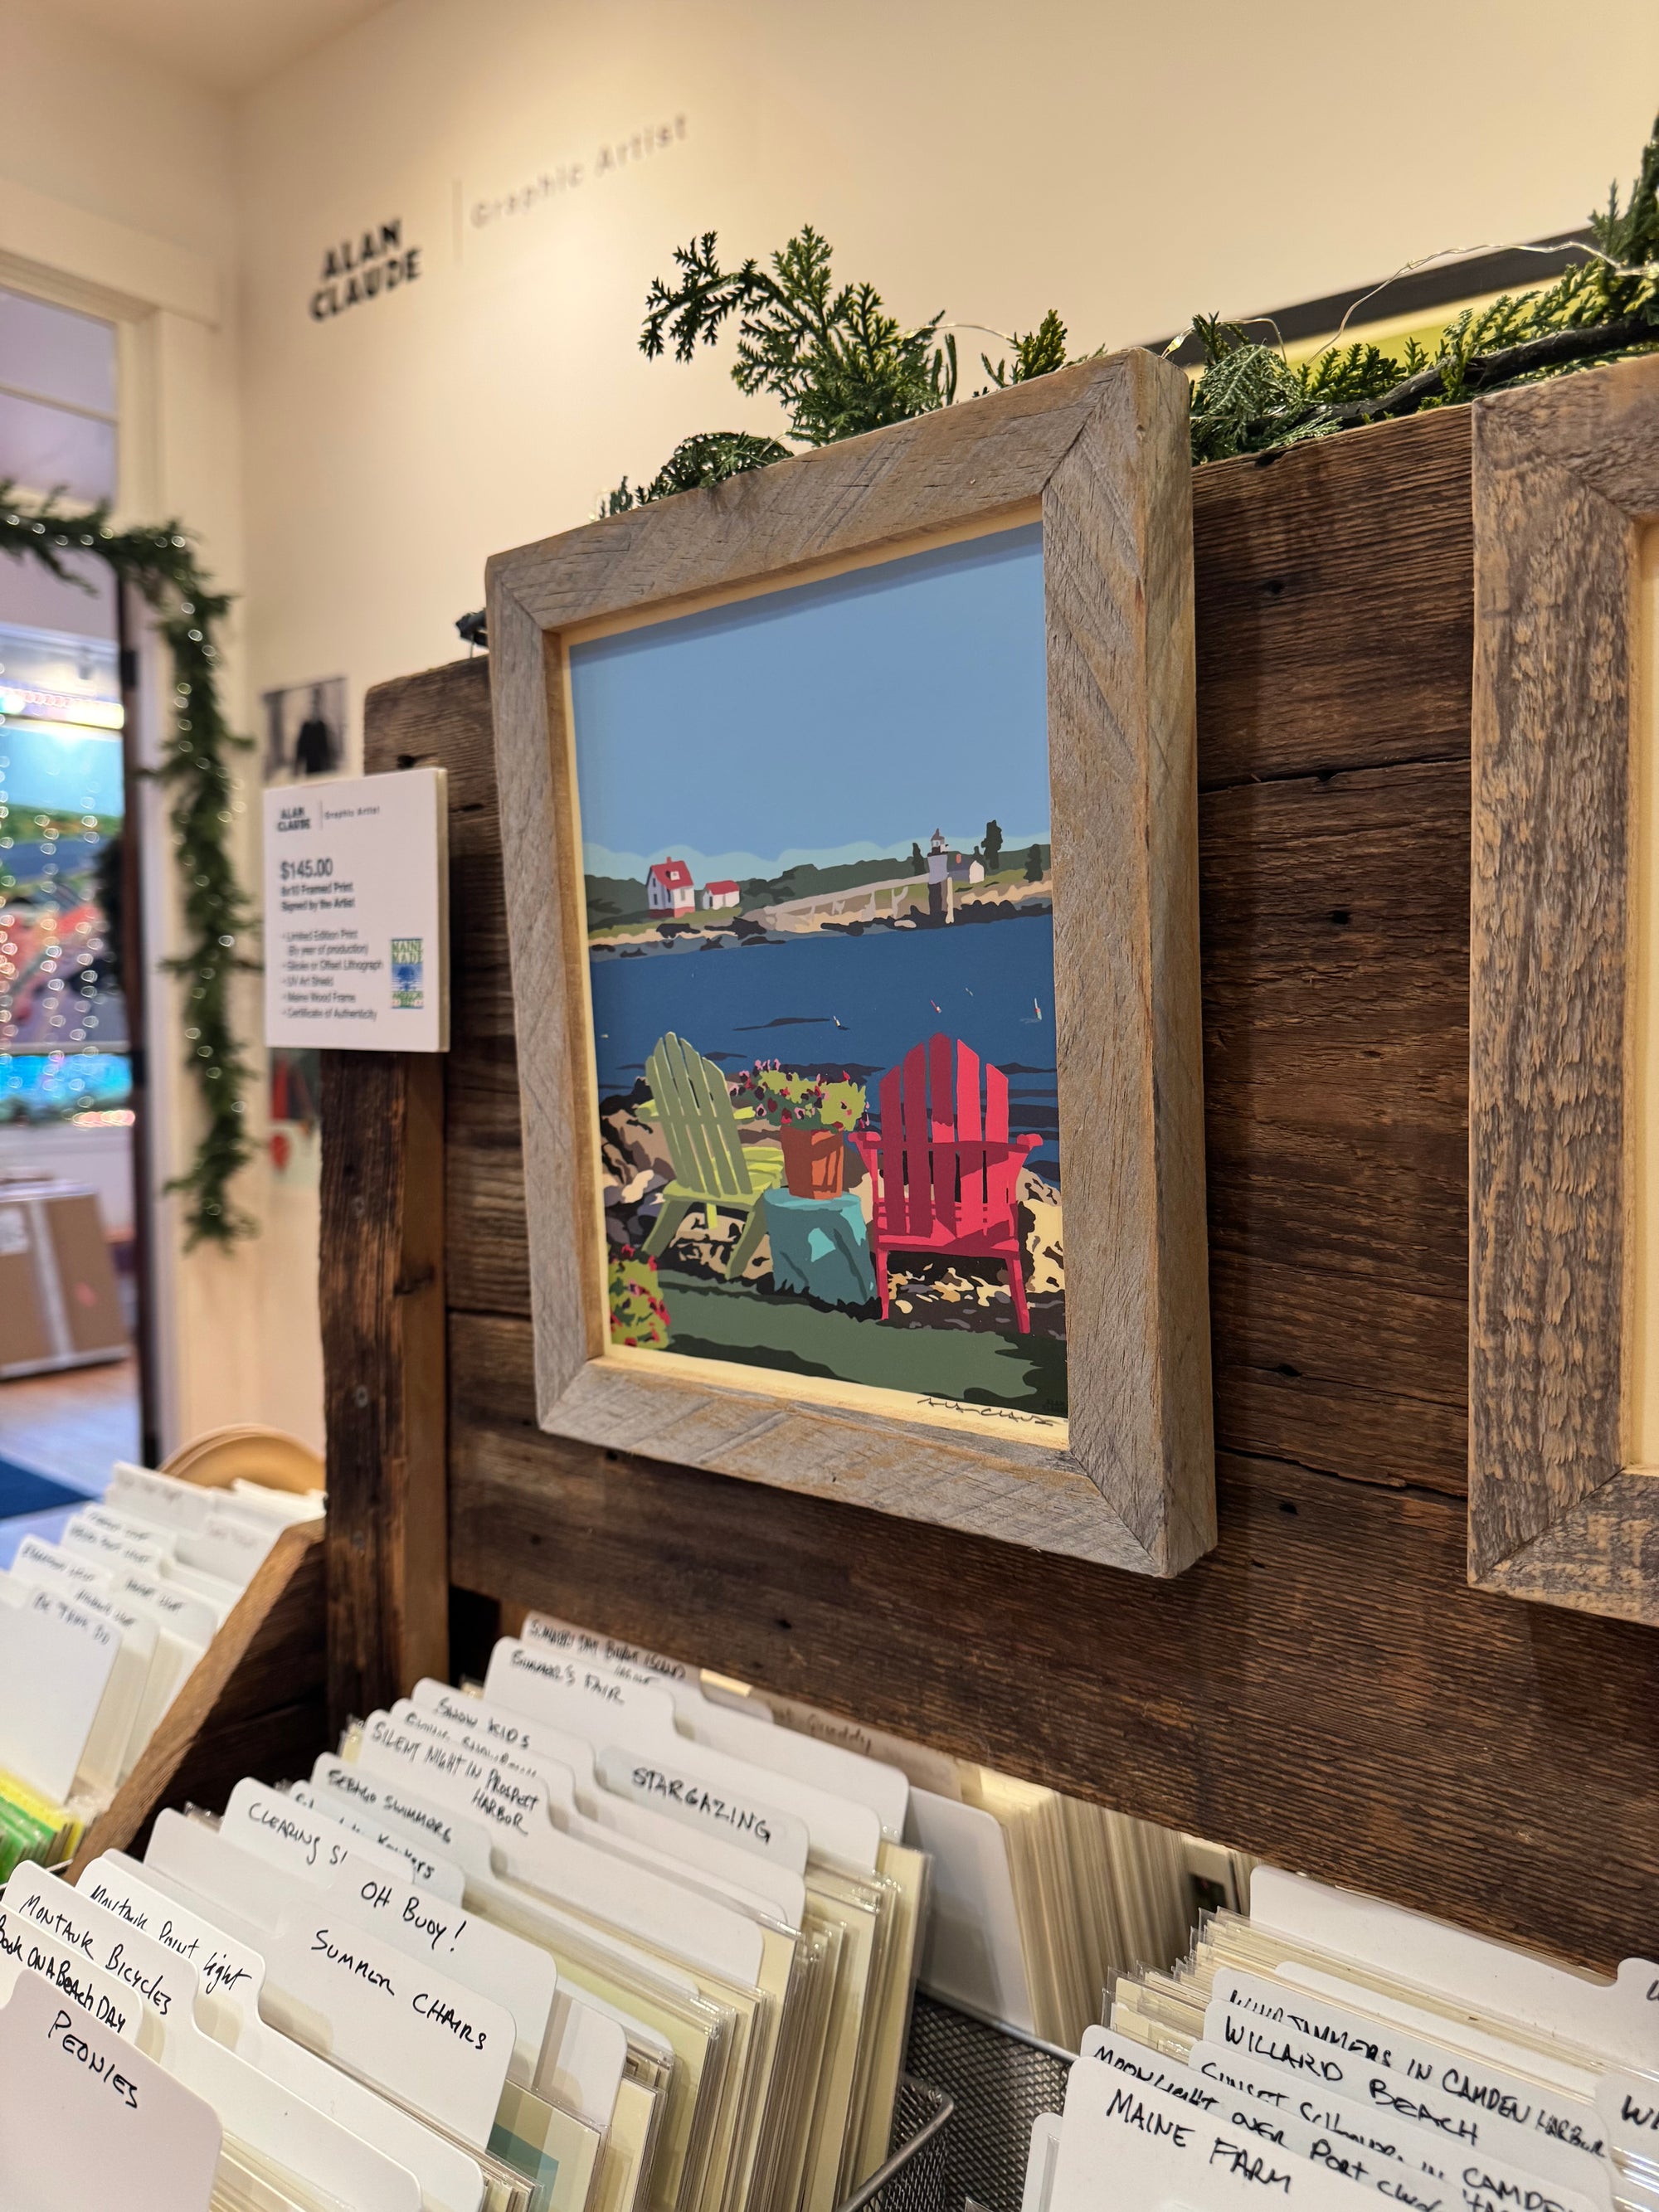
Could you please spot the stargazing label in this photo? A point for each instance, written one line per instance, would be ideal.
(357, 913)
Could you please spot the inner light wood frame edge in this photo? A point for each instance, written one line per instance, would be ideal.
(1566, 476)
(1103, 447)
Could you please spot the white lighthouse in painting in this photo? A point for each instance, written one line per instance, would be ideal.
(940, 900)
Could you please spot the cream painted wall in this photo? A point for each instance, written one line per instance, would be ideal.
(119, 197)
(1127, 165)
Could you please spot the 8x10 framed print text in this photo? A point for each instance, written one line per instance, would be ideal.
(849, 814)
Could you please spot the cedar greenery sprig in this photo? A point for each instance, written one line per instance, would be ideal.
(841, 364)
(195, 770)
(837, 360)
(833, 354)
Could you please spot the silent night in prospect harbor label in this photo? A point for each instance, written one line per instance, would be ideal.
(357, 913)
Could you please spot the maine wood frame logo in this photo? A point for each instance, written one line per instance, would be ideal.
(364, 268)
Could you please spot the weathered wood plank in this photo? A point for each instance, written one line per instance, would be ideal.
(381, 1290)
(1335, 606)
(1324, 1688)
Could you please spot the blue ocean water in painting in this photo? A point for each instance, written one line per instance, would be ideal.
(826, 1002)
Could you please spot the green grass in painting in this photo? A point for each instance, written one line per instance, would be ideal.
(979, 1367)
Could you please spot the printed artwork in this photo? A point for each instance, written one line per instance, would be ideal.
(815, 839)
(305, 730)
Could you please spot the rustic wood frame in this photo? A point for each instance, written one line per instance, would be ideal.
(1565, 477)
(1102, 447)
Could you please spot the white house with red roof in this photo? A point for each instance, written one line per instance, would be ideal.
(723, 893)
(668, 888)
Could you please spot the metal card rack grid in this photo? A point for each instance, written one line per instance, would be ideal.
(962, 2127)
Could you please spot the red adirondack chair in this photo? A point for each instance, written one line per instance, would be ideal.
(945, 1171)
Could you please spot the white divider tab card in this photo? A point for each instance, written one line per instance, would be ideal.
(26, 1949)
(406, 1811)
(516, 1974)
(1620, 2018)
(64, 1656)
(1125, 2143)
(86, 2120)
(298, 1837)
(357, 913)
(1372, 2145)
(163, 1498)
(658, 1782)
(1355, 2058)
(227, 1972)
(1457, 2074)
(1629, 2106)
(641, 1716)
(440, 1875)
(443, 2048)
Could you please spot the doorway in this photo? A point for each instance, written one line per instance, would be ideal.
(74, 1286)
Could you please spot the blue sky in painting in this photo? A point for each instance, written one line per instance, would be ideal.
(828, 721)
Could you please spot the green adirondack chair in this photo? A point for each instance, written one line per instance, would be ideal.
(712, 1168)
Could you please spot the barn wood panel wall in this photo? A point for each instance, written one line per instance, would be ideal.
(1324, 1688)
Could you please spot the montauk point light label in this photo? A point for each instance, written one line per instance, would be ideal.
(362, 268)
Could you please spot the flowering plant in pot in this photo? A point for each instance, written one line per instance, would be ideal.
(813, 1115)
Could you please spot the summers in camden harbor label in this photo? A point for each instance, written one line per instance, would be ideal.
(362, 268)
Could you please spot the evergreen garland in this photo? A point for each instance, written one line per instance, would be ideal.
(195, 770)
(1249, 399)
(841, 364)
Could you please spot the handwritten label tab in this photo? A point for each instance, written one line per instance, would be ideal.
(104, 1549)
(1398, 2075)
(475, 1953)
(1335, 2130)
(1163, 2149)
(298, 1837)
(506, 1798)
(758, 1827)
(37, 1561)
(443, 1877)
(189, 1616)
(226, 1973)
(515, 1733)
(560, 1781)
(443, 2048)
(26, 1949)
(404, 1811)
(139, 2140)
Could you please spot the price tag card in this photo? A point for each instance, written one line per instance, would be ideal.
(356, 928)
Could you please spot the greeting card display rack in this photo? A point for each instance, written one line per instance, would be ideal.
(1325, 1688)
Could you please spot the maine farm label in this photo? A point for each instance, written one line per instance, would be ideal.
(362, 268)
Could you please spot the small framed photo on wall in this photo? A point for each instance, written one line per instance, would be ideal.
(305, 730)
(849, 813)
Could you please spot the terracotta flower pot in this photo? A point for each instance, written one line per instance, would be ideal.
(814, 1162)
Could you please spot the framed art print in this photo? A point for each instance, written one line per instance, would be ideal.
(849, 821)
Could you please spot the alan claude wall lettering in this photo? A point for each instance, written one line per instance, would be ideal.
(376, 261)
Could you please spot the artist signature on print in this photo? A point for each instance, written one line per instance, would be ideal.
(989, 1412)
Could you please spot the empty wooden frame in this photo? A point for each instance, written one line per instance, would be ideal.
(1563, 1089)
(1098, 454)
